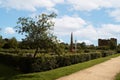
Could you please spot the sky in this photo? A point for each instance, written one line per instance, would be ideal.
(89, 20)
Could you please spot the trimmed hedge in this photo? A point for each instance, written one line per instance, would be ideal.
(43, 63)
(107, 53)
(118, 50)
(17, 51)
(21, 63)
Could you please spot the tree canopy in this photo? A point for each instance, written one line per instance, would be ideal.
(38, 31)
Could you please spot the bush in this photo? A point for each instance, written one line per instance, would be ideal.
(103, 48)
(43, 63)
(95, 55)
(86, 51)
(118, 50)
(107, 53)
(16, 51)
(21, 63)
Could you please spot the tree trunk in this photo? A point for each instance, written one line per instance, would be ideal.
(36, 51)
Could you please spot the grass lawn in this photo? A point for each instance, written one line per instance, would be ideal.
(52, 74)
(117, 76)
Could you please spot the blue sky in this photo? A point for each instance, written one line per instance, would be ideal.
(87, 19)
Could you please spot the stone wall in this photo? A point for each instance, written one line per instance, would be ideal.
(107, 42)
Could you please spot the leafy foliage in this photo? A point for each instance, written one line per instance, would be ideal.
(43, 63)
(113, 45)
(10, 43)
(1, 42)
(38, 32)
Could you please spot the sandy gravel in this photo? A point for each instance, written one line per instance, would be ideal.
(103, 71)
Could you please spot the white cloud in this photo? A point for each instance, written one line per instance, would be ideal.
(60, 40)
(30, 5)
(115, 14)
(9, 30)
(114, 3)
(90, 5)
(87, 32)
(109, 30)
(88, 42)
(58, 1)
(0, 2)
(104, 31)
(67, 24)
(79, 5)
(52, 10)
(83, 31)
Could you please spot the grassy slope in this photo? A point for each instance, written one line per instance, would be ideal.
(117, 76)
(8, 73)
(56, 73)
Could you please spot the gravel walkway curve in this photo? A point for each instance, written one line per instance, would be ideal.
(103, 71)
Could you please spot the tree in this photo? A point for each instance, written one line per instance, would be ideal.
(13, 43)
(38, 31)
(1, 42)
(6, 44)
(24, 45)
(81, 45)
(10, 43)
(112, 45)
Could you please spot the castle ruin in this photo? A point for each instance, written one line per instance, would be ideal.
(107, 42)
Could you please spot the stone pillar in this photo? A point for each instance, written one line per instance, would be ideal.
(71, 43)
(75, 45)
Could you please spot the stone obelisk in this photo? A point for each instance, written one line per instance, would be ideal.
(71, 42)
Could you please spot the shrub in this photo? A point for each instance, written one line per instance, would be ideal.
(25, 64)
(86, 51)
(95, 55)
(21, 63)
(43, 63)
(107, 53)
(118, 50)
(16, 51)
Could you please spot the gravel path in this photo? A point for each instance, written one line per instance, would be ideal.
(103, 71)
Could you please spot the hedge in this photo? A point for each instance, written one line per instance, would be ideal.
(16, 51)
(107, 53)
(43, 63)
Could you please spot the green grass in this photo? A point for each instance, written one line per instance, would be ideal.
(117, 76)
(56, 73)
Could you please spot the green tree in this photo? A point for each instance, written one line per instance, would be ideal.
(118, 46)
(81, 45)
(113, 45)
(10, 43)
(6, 44)
(1, 42)
(13, 43)
(24, 45)
(38, 31)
